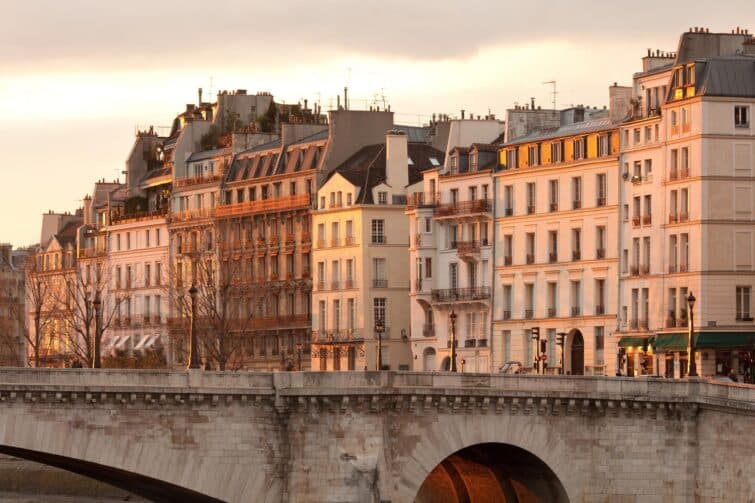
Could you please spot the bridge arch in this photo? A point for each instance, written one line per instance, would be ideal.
(491, 472)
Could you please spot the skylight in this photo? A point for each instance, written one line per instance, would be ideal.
(411, 163)
(434, 161)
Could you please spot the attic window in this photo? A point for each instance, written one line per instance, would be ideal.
(434, 162)
(382, 197)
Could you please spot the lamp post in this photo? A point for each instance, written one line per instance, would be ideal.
(379, 329)
(452, 316)
(193, 344)
(560, 339)
(692, 364)
(97, 303)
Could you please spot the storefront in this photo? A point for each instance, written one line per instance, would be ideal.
(717, 353)
(635, 356)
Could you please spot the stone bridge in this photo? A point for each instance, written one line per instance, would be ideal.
(385, 436)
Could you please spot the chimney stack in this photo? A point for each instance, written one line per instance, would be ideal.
(462, 113)
(346, 98)
(199, 92)
(532, 101)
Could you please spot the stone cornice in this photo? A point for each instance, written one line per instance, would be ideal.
(384, 392)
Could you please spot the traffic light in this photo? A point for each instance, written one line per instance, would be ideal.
(543, 346)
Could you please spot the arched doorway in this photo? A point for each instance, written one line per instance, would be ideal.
(428, 359)
(577, 366)
(491, 472)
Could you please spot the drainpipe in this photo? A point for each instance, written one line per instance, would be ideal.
(620, 241)
(492, 276)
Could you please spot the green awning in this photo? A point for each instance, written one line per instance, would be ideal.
(725, 340)
(705, 340)
(671, 342)
(630, 342)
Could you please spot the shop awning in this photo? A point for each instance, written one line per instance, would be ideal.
(705, 340)
(632, 341)
(725, 340)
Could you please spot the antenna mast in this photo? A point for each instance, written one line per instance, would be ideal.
(554, 92)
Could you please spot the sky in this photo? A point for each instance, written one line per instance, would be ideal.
(78, 77)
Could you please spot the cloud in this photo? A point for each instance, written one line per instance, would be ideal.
(89, 34)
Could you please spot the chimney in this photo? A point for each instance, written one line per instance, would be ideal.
(462, 114)
(346, 98)
(87, 210)
(199, 92)
(532, 101)
(396, 159)
(619, 99)
(338, 102)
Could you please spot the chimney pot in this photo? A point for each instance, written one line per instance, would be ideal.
(462, 114)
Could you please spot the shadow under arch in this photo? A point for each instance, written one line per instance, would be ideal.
(141, 485)
(491, 472)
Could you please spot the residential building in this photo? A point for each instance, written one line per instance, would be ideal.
(688, 219)
(451, 257)
(556, 228)
(12, 306)
(360, 257)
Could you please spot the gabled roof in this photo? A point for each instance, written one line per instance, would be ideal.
(366, 168)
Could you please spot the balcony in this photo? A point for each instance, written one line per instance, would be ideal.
(507, 315)
(335, 242)
(335, 284)
(600, 253)
(643, 324)
(529, 314)
(422, 200)
(553, 207)
(198, 214)
(530, 258)
(672, 268)
(321, 285)
(576, 255)
(682, 321)
(349, 241)
(551, 312)
(683, 217)
(417, 285)
(464, 208)
(147, 320)
(428, 330)
(467, 250)
(349, 284)
(379, 283)
(552, 257)
(601, 201)
(635, 221)
(482, 343)
(280, 204)
(646, 220)
(576, 310)
(670, 320)
(481, 293)
(684, 173)
(197, 180)
(683, 267)
(645, 269)
(508, 212)
(418, 240)
(600, 309)
(673, 174)
(634, 324)
(530, 209)
(92, 252)
(321, 243)
(138, 216)
(575, 205)
(507, 260)
(470, 343)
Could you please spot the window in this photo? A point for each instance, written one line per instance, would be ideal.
(348, 199)
(744, 294)
(428, 267)
(600, 296)
(382, 197)
(321, 235)
(600, 186)
(378, 236)
(674, 164)
(648, 133)
(428, 225)
(321, 273)
(604, 145)
(128, 240)
(508, 246)
(379, 310)
(552, 246)
(530, 236)
(157, 237)
(577, 148)
(576, 184)
(552, 298)
(553, 194)
(741, 116)
(146, 238)
(292, 188)
(508, 200)
(648, 167)
(576, 298)
(557, 151)
(453, 275)
(378, 273)
(351, 314)
(530, 198)
(512, 158)
(336, 315)
(600, 242)
(533, 155)
(636, 136)
(508, 299)
(349, 232)
(576, 244)
(599, 345)
(685, 162)
(323, 315)
(147, 271)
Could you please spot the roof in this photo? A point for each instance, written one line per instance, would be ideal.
(265, 146)
(208, 154)
(484, 147)
(366, 168)
(155, 173)
(417, 134)
(727, 76)
(577, 128)
(67, 234)
(320, 135)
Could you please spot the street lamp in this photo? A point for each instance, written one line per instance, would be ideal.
(560, 340)
(536, 337)
(379, 329)
(452, 316)
(97, 303)
(193, 344)
(692, 365)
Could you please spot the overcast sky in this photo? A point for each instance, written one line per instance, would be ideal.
(77, 77)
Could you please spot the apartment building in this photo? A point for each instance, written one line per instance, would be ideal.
(556, 231)
(12, 306)
(360, 257)
(687, 209)
(450, 223)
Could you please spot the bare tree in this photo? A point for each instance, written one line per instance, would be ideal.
(40, 306)
(223, 309)
(11, 321)
(82, 298)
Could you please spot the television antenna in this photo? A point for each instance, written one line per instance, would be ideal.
(554, 92)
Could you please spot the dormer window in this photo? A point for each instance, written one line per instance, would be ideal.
(473, 162)
(382, 197)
